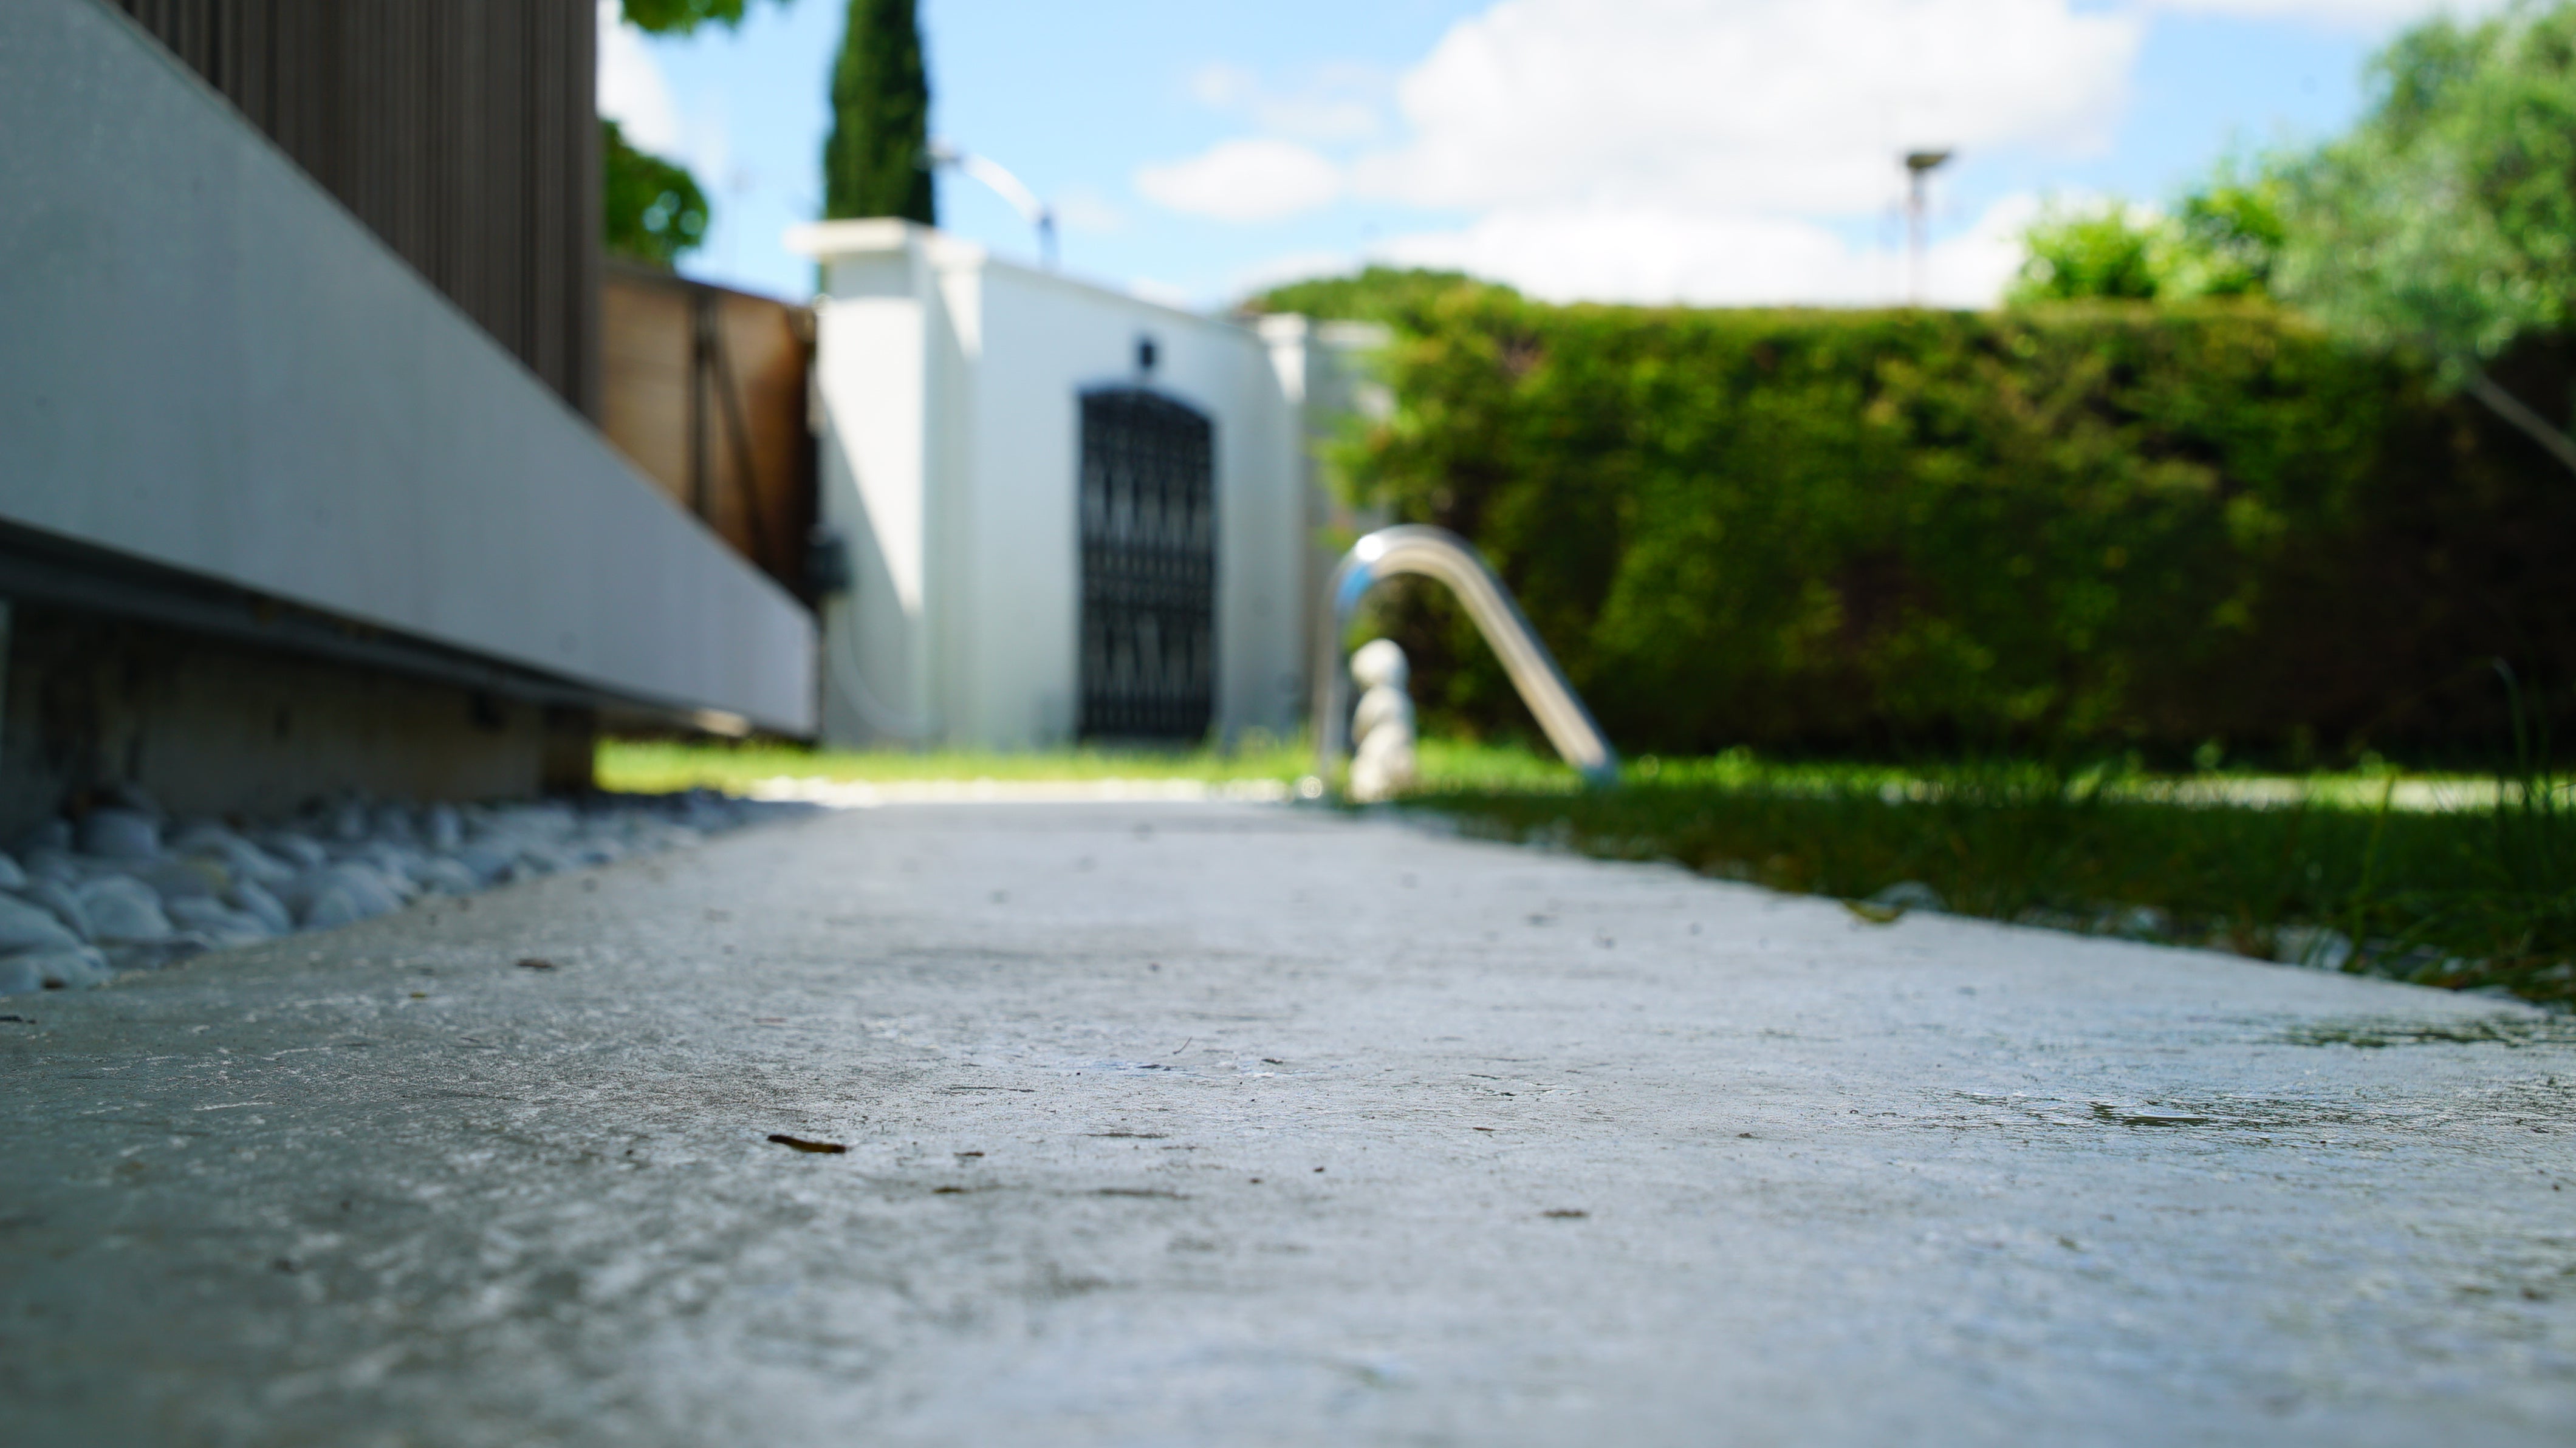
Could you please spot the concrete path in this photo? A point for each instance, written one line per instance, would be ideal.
(1236, 1124)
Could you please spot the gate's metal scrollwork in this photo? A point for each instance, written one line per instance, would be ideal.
(1148, 567)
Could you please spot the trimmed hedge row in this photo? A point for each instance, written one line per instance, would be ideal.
(1910, 531)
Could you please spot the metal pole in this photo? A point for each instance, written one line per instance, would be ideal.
(1918, 165)
(1005, 185)
(1913, 237)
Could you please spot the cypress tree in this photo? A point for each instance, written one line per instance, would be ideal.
(880, 118)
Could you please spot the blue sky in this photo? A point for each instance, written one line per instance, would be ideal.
(1712, 151)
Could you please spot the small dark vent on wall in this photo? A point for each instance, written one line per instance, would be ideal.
(465, 135)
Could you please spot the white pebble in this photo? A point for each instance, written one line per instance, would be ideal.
(218, 921)
(251, 897)
(239, 855)
(297, 849)
(445, 828)
(58, 897)
(489, 863)
(20, 976)
(120, 834)
(75, 967)
(185, 879)
(447, 877)
(123, 911)
(31, 927)
(149, 895)
(44, 862)
(334, 905)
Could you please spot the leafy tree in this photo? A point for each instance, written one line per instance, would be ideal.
(2444, 225)
(2109, 250)
(655, 209)
(2220, 241)
(873, 159)
(2225, 239)
(680, 17)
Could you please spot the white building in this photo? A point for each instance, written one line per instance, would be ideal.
(1071, 513)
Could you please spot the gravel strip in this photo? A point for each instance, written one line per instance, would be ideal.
(126, 888)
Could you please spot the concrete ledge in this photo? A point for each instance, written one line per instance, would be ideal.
(212, 728)
(209, 365)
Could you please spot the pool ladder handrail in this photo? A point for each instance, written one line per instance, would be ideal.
(1437, 553)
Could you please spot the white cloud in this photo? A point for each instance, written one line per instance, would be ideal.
(1727, 106)
(1709, 151)
(632, 91)
(1334, 103)
(1223, 87)
(1298, 266)
(1659, 255)
(1080, 208)
(2343, 14)
(1260, 179)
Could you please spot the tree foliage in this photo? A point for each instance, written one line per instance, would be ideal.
(1375, 294)
(2223, 240)
(2445, 223)
(873, 158)
(2105, 251)
(681, 17)
(2442, 227)
(655, 210)
(2226, 236)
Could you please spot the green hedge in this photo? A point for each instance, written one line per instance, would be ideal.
(2096, 525)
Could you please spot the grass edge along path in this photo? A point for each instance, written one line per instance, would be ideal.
(657, 766)
(2459, 897)
(2463, 883)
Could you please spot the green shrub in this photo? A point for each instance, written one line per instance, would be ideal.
(2089, 525)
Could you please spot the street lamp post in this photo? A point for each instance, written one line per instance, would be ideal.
(1009, 187)
(1918, 165)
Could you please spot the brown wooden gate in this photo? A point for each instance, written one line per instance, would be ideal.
(705, 390)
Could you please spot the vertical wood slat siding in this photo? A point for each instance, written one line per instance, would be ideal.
(462, 132)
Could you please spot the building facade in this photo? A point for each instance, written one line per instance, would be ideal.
(1072, 514)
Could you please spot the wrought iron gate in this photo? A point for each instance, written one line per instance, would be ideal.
(1148, 567)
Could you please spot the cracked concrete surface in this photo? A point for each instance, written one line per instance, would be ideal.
(1176, 1124)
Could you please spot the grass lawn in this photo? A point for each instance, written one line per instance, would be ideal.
(2455, 882)
(657, 766)
(2478, 894)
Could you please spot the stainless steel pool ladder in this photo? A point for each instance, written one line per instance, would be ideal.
(1437, 553)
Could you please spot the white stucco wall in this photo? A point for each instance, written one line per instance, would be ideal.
(1326, 370)
(207, 364)
(949, 386)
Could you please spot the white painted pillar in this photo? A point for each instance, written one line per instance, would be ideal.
(872, 382)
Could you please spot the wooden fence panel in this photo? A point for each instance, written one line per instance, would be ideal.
(704, 389)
